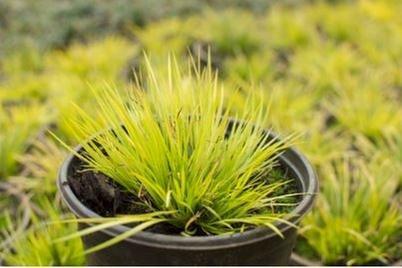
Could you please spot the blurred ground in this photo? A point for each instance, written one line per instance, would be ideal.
(56, 24)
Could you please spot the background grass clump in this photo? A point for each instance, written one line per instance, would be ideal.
(330, 70)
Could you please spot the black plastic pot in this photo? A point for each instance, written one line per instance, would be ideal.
(260, 246)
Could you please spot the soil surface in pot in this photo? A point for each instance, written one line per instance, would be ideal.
(107, 198)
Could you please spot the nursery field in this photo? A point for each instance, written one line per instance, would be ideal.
(329, 73)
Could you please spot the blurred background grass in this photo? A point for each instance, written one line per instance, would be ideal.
(331, 70)
(48, 24)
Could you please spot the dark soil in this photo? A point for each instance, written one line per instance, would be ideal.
(107, 198)
(98, 192)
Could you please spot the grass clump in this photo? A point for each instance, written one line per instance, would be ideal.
(40, 167)
(289, 108)
(91, 61)
(14, 216)
(180, 152)
(341, 230)
(36, 247)
(227, 42)
(18, 125)
(365, 109)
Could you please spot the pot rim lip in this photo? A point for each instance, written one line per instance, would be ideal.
(197, 242)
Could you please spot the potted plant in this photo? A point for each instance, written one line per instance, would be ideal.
(167, 176)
